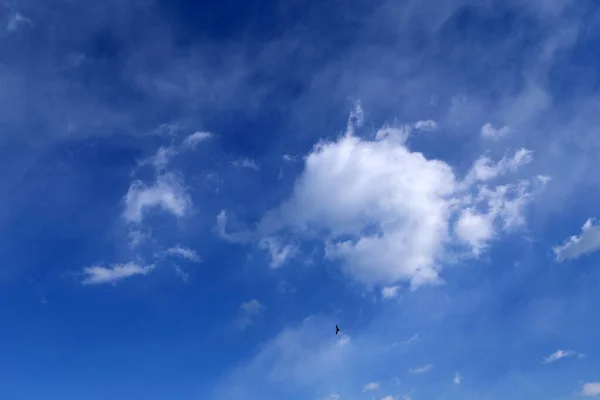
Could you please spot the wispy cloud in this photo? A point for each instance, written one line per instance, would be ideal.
(389, 292)
(489, 132)
(410, 340)
(167, 194)
(245, 163)
(371, 386)
(17, 21)
(576, 246)
(420, 370)
(279, 252)
(457, 378)
(183, 252)
(248, 313)
(558, 355)
(195, 138)
(590, 389)
(99, 274)
(427, 125)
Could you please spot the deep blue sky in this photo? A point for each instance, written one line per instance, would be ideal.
(195, 193)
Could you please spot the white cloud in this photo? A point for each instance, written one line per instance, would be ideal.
(386, 211)
(16, 21)
(427, 125)
(97, 274)
(388, 398)
(389, 292)
(590, 389)
(371, 386)
(475, 229)
(188, 254)
(192, 140)
(278, 252)
(457, 379)
(167, 193)
(485, 169)
(576, 246)
(559, 354)
(420, 370)
(333, 396)
(245, 163)
(489, 132)
(288, 158)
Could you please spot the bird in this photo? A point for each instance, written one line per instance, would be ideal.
(337, 329)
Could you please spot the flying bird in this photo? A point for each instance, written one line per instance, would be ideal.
(337, 329)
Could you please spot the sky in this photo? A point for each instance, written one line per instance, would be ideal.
(194, 194)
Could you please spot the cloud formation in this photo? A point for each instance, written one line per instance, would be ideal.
(377, 202)
(420, 370)
(576, 246)
(96, 275)
(248, 313)
(590, 389)
(558, 355)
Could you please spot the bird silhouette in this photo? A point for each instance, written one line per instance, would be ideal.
(337, 329)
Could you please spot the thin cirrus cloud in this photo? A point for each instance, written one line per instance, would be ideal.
(558, 355)
(248, 313)
(96, 275)
(420, 370)
(183, 252)
(245, 163)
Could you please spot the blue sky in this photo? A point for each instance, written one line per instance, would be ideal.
(194, 194)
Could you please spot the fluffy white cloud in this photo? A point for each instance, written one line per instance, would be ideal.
(389, 292)
(188, 254)
(576, 246)
(420, 370)
(98, 274)
(559, 354)
(167, 193)
(389, 214)
(371, 386)
(590, 389)
(489, 132)
(388, 398)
